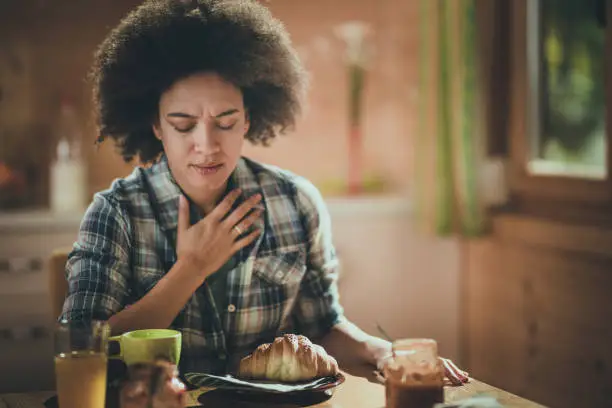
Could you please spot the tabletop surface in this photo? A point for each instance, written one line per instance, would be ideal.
(356, 392)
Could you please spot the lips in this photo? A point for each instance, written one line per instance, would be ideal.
(207, 169)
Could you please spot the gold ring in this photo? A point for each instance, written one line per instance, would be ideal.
(238, 230)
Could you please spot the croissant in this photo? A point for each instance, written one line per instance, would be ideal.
(289, 358)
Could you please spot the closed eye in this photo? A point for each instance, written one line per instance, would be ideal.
(226, 127)
(184, 129)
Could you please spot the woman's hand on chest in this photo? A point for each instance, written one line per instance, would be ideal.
(209, 243)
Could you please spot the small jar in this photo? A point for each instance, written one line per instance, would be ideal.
(414, 375)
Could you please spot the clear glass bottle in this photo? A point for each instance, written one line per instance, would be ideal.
(414, 375)
(68, 178)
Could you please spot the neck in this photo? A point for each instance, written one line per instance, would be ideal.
(207, 200)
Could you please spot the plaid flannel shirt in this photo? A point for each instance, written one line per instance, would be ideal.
(285, 281)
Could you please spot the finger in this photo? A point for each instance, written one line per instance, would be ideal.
(241, 243)
(379, 376)
(242, 210)
(451, 374)
(452, 378)
(455, 375)
(246, 223)
(463, 375)
(183, 214)
(225, 205)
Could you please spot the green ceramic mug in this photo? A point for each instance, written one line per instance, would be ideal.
(144, 346)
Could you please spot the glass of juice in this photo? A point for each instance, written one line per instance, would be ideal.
(80, 363)
(414, 375)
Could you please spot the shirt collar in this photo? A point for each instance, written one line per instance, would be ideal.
(166, 190)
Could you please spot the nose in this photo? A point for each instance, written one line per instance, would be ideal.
(205, 141)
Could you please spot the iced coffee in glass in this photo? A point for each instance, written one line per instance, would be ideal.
(414, 376)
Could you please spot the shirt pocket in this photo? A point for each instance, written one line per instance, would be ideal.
(284, 267)
(273, 291)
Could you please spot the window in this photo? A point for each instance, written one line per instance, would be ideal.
(560, 100)
(566, 109)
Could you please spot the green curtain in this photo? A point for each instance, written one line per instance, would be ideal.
(450, 119)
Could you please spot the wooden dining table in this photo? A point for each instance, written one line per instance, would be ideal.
(355, 392)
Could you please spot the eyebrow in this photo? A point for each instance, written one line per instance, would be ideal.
(188, 116)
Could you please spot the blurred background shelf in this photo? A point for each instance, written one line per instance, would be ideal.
(39, 220)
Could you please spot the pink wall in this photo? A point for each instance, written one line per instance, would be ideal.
(318, 148)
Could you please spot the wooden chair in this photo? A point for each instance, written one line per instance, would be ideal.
(58, 286)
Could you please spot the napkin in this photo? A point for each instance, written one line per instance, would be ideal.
(229, 382)
(474, 402)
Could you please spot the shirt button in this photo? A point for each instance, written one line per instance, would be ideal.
(231, 308)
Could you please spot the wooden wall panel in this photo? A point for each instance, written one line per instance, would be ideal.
(538, 311)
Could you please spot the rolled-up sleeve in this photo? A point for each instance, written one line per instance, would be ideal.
(317, 308)
(98, 265)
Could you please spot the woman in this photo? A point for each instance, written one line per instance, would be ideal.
(229, 251)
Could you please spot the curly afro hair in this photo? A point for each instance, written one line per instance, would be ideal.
(163, 41)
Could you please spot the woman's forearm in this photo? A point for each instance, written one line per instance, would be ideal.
(160, 306)
(351, 346)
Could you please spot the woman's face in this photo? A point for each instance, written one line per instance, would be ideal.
(202, 123)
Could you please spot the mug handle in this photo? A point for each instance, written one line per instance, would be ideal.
(117, 340)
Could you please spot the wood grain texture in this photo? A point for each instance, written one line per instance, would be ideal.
(537, 311)
(356, 392)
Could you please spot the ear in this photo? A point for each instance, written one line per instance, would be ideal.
(247, 123)
(156, 130)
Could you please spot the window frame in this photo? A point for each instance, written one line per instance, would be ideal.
(532, 190)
